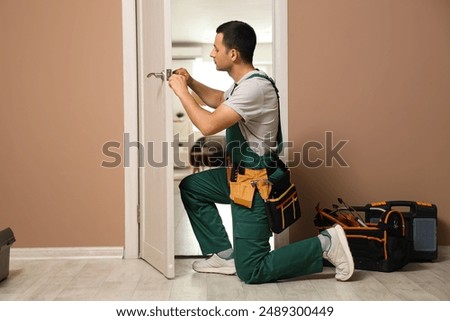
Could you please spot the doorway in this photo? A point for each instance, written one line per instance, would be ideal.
(193, 31)
(131, 85)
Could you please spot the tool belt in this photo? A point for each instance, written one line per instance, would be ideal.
(280, 196)
(244, 182)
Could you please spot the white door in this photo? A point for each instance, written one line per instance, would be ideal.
(155, 136)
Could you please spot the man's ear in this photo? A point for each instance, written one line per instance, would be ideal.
(234, 54)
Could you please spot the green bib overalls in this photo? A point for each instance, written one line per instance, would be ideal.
(254, 261)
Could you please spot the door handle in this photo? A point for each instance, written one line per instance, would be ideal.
(163, 75)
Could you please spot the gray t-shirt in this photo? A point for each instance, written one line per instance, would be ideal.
(255, 100)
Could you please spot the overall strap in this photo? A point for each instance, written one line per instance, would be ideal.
(279, 134)
(238, 148)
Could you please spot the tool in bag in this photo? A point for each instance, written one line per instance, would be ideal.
(421, 225)
(380, 246)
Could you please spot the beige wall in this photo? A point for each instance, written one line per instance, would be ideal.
(373, 72)
(60, 100)
(376, 73)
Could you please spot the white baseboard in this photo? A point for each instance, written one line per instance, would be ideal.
(51, 253)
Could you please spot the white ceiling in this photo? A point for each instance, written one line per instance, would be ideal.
(195, 21)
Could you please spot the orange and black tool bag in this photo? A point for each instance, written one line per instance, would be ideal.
(380, 246)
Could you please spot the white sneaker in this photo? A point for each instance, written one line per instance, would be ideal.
(215, 264)
(339, 254)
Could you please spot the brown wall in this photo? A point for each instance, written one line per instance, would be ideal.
(60, 100)
(376, 73)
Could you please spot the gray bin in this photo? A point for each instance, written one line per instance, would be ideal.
(6, 240)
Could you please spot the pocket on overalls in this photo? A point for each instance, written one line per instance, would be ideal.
(251, 245)
(252, 230)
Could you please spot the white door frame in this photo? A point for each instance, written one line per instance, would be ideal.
(130, 96)
(131, 111)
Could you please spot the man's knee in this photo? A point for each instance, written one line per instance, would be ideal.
(250, 272)
(249, 255)
(244, 274)
(186, 184)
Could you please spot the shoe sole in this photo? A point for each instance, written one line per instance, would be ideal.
(348, 254)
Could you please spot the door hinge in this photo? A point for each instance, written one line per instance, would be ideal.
(138, 212)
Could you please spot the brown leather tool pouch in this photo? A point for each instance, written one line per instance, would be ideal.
(243, 183)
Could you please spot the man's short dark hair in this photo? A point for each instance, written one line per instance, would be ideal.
(240, 36)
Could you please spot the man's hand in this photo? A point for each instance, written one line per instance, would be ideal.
(183, 72)
(178, 85)
(208, 96)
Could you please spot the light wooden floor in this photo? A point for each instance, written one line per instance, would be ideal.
(126, 280)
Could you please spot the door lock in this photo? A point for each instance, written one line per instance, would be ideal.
(163, 75)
